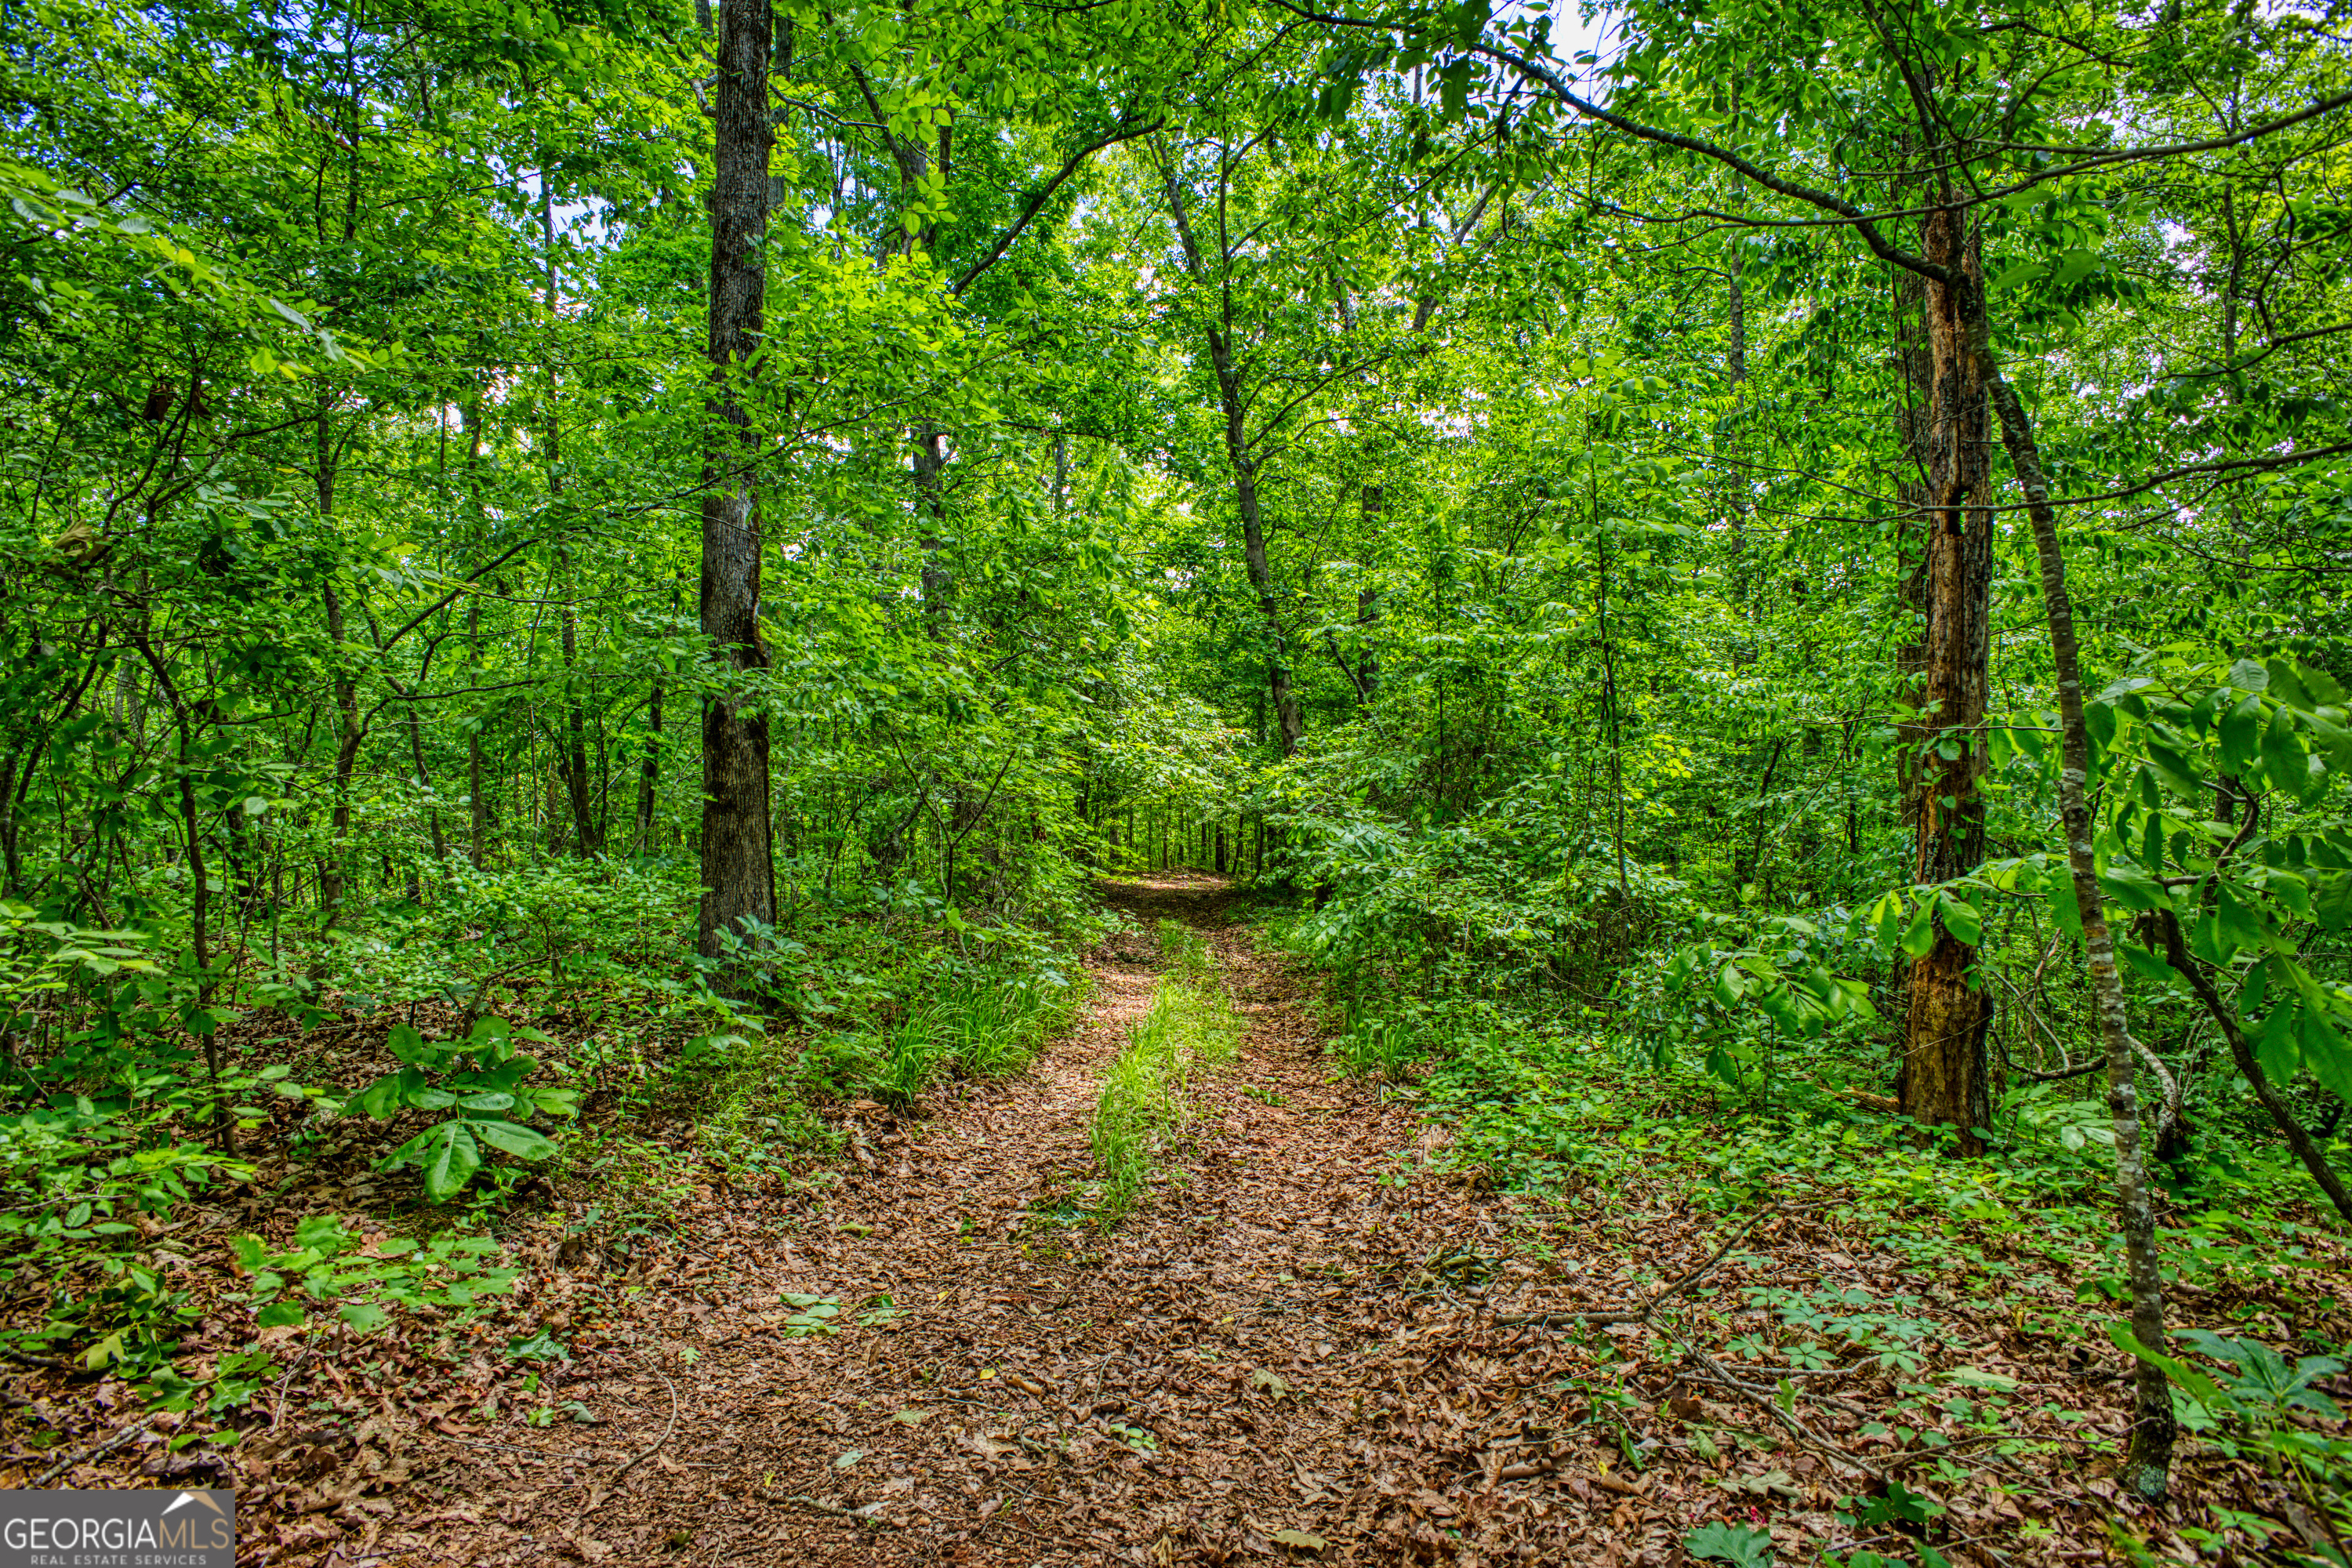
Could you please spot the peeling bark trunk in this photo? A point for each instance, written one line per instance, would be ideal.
(1946, 1079)
(738, 852)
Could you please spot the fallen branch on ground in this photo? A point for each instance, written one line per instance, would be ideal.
(1641, 1314)
(128, 1434)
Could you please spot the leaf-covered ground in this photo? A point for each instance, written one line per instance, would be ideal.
(1312, 1339)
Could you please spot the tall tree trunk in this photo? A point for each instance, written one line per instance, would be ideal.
(738, 874)
(1289, 720)
(2149, 1458)
(930, 463)
(571, 757)
(478, 807)
(1609, 680)
(1946, 1079)
(571, 747)
(1368, 608)
(333, 878)
(424, 778)
(649, 773)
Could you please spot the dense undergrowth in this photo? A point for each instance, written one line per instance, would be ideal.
(1635, 1072)
(169, 1171)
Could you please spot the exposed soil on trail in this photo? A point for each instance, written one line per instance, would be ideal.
(1314, 1338)
(1188, 1385)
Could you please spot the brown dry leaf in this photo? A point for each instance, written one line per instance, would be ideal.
(1248, 1345)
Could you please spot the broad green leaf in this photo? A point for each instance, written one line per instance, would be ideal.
(1919, 936)
(364, 1317)
(1961, 919)
(2147, 965)
(2276, 1050)
(520, 1142)
(387, 1094)
(2241, 735)
(2134, 888)
(446, 1155)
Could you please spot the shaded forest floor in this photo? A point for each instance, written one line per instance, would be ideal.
(1312, 1339)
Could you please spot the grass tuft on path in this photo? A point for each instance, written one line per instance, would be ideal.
(1189, 1025)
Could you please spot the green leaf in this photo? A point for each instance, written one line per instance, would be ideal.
(2283, 756)
(384, 1098)
(1735, 1544)
(2241, 735)
(2147, 965)
(1962, 920)
(2325, 1052)
(447, 1156)
(364, 1317)
(2176, 770)
(2204, 1389)
(2331, 903)
(1919, 936)
(520, 1142)
(2134, 888)
(408, 1046)
(2275, 1050)
(2286, 684)
(280, 1315)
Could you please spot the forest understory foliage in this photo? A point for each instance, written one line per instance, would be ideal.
(598, 600)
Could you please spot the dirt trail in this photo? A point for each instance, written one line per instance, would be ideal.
(1185, 1388)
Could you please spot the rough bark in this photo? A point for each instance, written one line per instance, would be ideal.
(737, 854)
(1945, 1080)
(2149, 1458)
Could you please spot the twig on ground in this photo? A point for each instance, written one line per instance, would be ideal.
(833, 1511)
(95, 1450)
(1797, 1428)
(574, 1456)
(278, 1411)
(656, 1446)
(1640, 1314)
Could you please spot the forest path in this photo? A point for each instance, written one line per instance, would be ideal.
(1215, 1371)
